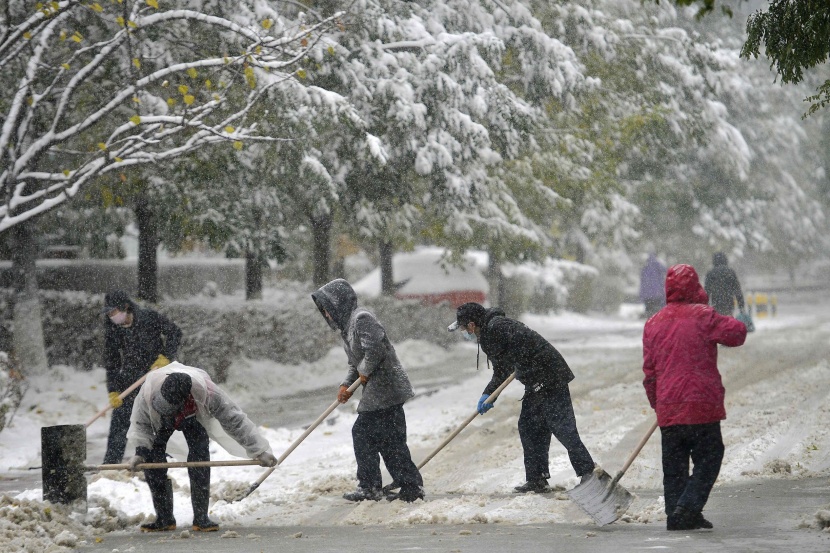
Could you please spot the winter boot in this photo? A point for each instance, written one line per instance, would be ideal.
(533, 486)
(685, 519)
(408, 494)
(163, 503)
(363, 494)
(199, 500)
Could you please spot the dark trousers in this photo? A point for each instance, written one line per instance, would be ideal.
(545, 413)
(119, 425)
(197, 450)
(703, 444)
(382, 433)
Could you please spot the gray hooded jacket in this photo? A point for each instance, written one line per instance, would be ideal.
(369, 350)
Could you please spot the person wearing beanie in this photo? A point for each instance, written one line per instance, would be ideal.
(181, 398)
(380, 428)
(136, 340)
(546, 406)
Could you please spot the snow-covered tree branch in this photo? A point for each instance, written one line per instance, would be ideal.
(91, 89)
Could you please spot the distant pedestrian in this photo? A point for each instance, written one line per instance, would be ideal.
(136, 340)
(684, 387)
(546, 406)
(722, 286)
(178, 397)
(653, 285)
(380, 428)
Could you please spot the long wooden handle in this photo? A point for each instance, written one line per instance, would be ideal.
(176, 465)
(299, 440)
(121, 396)
(491, 398)
(639, 448)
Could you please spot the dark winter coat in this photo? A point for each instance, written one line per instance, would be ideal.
(653, 280)
(512, 346)
(368, 349)
(721, 284)
(680, 353)
(129, 352)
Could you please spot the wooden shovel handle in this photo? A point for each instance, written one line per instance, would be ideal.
(175, 465)
(121, 396)
(491, 398)
(299, 440)
(639, 447)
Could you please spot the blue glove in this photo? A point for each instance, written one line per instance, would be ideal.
(484, 407)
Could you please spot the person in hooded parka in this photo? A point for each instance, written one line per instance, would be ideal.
(178, 397)
(380, 428)
(685, 389)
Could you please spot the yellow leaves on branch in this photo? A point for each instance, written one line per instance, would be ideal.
(96, 7)
(188, 99)
(301, 73)
(192, 73)
(102, 146)
(250, 77)
(137, 63)
(237, 144)
(229, 129)
(135, 119)
(171, 102)
(183, 89)
(267, 23)
(153, 4)
(77, 37)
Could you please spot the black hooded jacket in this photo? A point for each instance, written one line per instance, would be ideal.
(129, 352)
(369, 350)
(721, 284)
(512, 346)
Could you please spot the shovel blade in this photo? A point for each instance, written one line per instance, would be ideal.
(601, 498)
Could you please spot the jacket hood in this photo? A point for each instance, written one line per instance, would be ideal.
(719, 259)
(492, 312)
(683, 285)
(339, 299)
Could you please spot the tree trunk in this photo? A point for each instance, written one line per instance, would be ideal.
(147, 250)
(387, 279)
(28, 342)
(253, 275)
(498, 285)
(321, 256)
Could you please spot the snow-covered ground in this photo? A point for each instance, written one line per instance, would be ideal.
(777, 401)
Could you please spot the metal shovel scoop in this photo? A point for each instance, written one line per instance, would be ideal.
(600, 496)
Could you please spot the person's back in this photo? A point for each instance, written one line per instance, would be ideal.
(680, 351)
(722, 286)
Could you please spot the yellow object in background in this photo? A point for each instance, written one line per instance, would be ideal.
(161, 361)
(761, 305)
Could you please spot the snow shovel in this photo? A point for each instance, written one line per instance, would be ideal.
(491, 398)
(121, 396)
(175, 465)
(601, 496)
(296, 442)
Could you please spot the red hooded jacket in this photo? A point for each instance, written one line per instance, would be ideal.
(680, 353)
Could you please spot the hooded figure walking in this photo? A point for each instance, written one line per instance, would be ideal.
(380, 428)
(722, 286)
(178, 397)
(684, 387)
(546, 406)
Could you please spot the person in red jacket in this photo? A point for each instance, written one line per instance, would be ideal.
(683, 385)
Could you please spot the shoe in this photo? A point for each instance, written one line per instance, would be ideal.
(702, 523)
(407, 494)
(362, 494)
(533, 486)
(684, 519)
(159, 526)
(205, 525)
